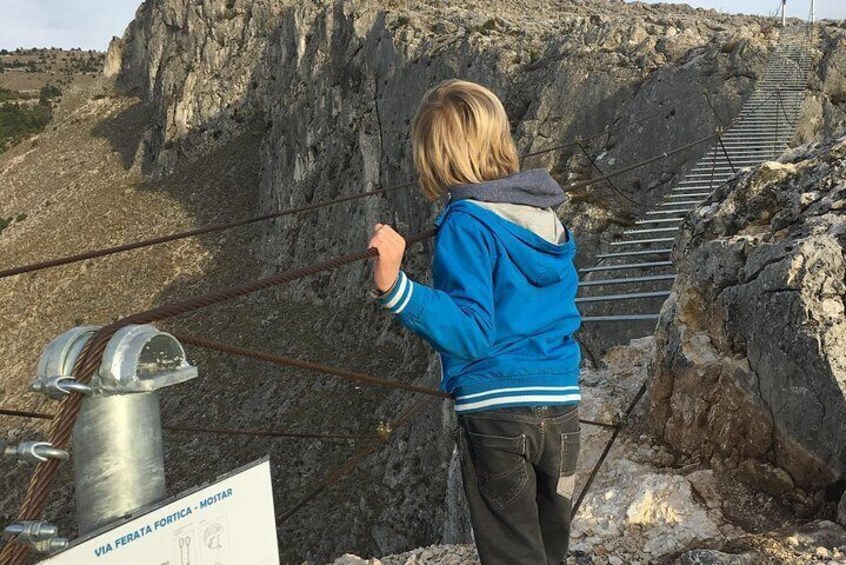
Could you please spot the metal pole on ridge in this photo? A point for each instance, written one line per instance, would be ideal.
(783, 16)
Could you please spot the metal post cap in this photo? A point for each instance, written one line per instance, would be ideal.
(138, 358)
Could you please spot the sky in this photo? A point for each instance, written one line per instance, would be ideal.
(90, 24)
(831, 9)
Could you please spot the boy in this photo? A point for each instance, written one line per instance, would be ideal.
(502, 315)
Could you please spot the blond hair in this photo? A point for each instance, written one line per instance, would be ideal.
(461, 135)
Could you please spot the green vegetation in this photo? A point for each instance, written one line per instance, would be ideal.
(4, 223)
(48, 92)
(6, 94)
(18, 121)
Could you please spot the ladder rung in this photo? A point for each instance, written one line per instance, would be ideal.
(626, 266)
(656, 212)
(659, 221)
(630, 296)
(650, 230)
(633, 280)
(642, 241)
(682, 203)
(621, 318)
(634, 253)
(689, 194)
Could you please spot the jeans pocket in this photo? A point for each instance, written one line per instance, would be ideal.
(500, 464)
(570, 443)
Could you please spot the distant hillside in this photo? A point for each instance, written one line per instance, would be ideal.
(32, 82)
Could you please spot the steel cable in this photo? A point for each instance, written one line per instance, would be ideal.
(406, 417)
(206, 430)
(97, 253)
(307, 365)
(319, 368)
(69, 259)
(725, 152)
(610, 183)
(714, 110)
(91, 355)
(613, 129)
(618, 428)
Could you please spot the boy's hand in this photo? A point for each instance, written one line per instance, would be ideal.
(391, 247)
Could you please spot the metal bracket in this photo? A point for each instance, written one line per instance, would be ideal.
(39, 536)
(59, 387)
(384, 430)
(35, 452)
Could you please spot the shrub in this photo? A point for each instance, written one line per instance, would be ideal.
(50, 91)
(18, 121)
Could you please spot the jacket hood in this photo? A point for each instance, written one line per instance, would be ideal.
(542, 263)
(534, 187)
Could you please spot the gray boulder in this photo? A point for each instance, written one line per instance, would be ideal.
(750, 368)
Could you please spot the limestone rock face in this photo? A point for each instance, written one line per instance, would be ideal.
(824, 111)
(750, 364)
(334, 86)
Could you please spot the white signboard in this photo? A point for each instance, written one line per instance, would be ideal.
(230, 522)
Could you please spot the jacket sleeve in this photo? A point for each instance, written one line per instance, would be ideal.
(457, 316)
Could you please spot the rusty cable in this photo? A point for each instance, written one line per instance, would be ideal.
(69, 259)
(205, 430)
(96, 253)
(714, 165)
(25, 414)
(783, 110)
(725, 152)
(610, 182)
(606, 131)
(340, 472)
(90, 357)
(649, 161)
(307, 365)
(714, 110)
(618, 428)
(266, 433)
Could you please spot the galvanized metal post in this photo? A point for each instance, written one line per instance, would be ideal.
(118, 457)
(117, 438)
(812, 12)
(783, 17)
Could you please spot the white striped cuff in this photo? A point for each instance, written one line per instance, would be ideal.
(398, 297)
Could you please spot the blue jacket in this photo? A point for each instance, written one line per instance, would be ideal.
(502, 312)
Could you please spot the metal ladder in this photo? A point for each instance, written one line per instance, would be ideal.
(633, 279)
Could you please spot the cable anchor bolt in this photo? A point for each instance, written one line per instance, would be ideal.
(34, 452)
(59, 387)
(384, 430)
(41, 537)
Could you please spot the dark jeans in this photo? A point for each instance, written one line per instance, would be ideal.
(519, 466)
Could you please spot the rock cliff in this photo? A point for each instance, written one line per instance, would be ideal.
(750, 369)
